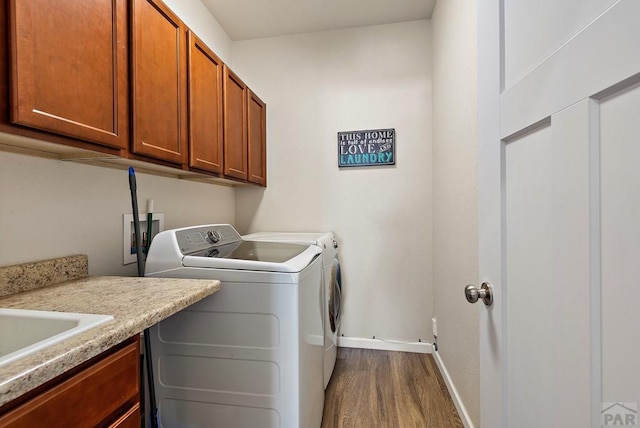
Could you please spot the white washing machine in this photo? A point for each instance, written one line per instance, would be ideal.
(250, 355)
(332, 284)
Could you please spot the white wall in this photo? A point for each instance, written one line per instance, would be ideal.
(455, 194)
(198, 18)
(51, 208)
(316, 85)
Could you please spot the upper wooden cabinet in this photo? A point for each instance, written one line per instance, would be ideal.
(69, 63)
(128, 79)
(256, 139)
(205, 107)
(159, 85)
(235, 126)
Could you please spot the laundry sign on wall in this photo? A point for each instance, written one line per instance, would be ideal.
(367, 148)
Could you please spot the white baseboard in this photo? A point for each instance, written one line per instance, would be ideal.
(457, 401)
(385, 345)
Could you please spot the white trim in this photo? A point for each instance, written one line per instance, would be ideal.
(491, 249)
(595, 262)
(385, 345)
(560, 80)
(457, 400)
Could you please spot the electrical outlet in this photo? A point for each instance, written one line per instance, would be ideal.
(129, 249)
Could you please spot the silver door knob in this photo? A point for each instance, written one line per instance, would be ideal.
(485, 293)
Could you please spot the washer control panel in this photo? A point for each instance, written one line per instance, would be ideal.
(201, 238)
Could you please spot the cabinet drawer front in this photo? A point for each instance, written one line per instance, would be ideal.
(131, 419)
(85, 399)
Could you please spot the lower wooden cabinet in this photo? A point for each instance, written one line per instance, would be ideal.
(131, 419)
(104, 392)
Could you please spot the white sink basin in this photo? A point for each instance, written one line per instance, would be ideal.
(23, 332)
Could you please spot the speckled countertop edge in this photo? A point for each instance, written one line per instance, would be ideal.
(135, 303)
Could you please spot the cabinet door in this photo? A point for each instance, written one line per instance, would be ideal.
(235, 126)
(69, 68)
(87, 398)
(159, 82)
(257, 139)
(205, 107)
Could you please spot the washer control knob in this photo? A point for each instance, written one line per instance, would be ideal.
(213, 236)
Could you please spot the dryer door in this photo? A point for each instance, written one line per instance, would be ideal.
(335, 296)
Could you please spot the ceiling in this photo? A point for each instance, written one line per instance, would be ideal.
(253, 19)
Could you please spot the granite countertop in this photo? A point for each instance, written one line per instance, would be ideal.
(135, 303)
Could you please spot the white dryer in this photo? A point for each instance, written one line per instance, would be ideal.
(332, 284)
(251, 354)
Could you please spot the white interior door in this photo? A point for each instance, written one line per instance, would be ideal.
(559, 165)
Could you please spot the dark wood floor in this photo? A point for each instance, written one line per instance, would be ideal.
(387, 389)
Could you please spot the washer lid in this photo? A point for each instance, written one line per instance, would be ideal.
(254, 255)
(272, 252)
(325, 240)
(294, 237)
